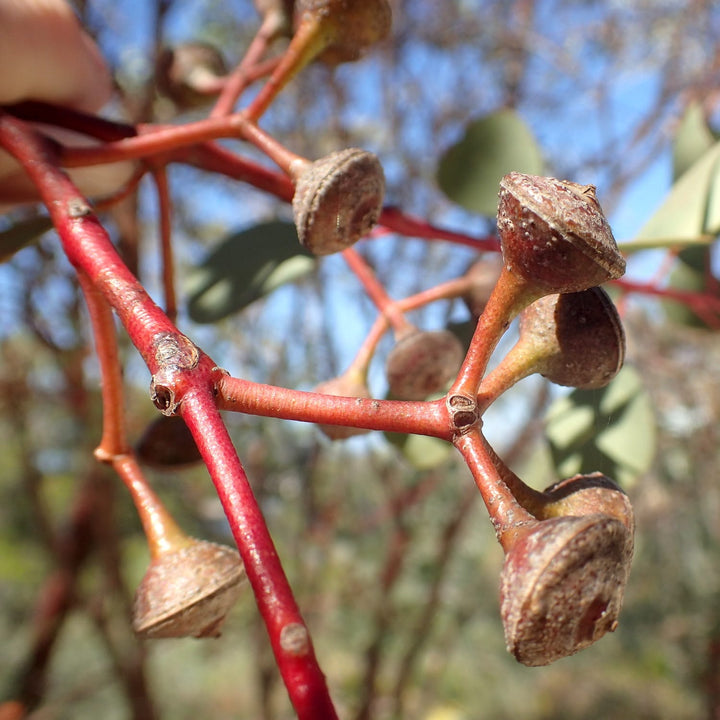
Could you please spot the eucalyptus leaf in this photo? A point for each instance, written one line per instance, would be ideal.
(244, 267)
(692, 139)
(21, 234)
(692, 208)
(610, 430)
(469, 172)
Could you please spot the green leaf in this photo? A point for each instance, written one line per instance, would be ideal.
(692, 208)
(246, 266)
(22, 233)
(610, 430)
(469, 172)
(692, 139)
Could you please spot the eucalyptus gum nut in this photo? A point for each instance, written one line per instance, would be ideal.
(579, 335)
(350, 26)
(188, 592)
(554, 234)
(343, 386)
(589, 494)
(167, 443)
(422, 363)
(562, 586)
(182, 72)
(337, 200)
(483, 275)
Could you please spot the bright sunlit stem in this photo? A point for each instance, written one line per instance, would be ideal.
(506, 514)
(309, 40)
(509, 297)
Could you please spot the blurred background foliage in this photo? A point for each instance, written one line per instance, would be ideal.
(394, 563)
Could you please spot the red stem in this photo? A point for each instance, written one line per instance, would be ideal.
(168, 263)
(114, 436)
(239, 79)
(161, 530)
(182, 375)
(376, 291)
(214, 158)
(296, 660)
(85, 241)
(507, 515)
(306, 43)
(704, 304)
(154, 140)
(399, 222)
(509, 296)
(420, 418)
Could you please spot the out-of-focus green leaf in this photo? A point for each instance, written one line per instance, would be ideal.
(610, 430)
(246, 266)
(692, 208)
(22, 233)
(692, 139)
(469, 172)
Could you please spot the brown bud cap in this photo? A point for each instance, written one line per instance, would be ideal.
(554, 234)
(338, 199)
(579, 336)
(188, 591)
(562, 586)
(352, 26)
(184, 72)
(422, 363)
(483, 275)
(347, 385)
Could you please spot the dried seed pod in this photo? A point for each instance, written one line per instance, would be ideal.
(577, 338)
(350, 27)
(483, 275)
(554, 234)
(562, 586)
(568, 553)
(337, 200)
(590, 494)
(188, 73)
(188, 591)
(346, 385)
(422, 363)
(167, 443)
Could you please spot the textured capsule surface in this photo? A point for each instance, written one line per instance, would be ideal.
(352, 26)
(562, 586)
(422, 363)
(555, 235)
(188, 592)
(337, 200)
(578, 337)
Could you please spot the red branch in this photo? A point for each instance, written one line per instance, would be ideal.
(182, 378)
(420, 418)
